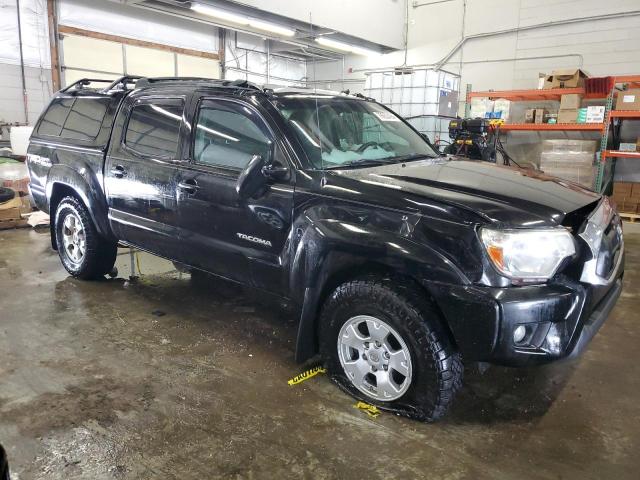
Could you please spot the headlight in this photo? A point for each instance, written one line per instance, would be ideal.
(529, 255)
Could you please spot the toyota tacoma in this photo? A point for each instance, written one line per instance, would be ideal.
(401, 262)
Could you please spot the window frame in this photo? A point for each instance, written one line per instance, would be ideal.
(224, 169)
(147, 101)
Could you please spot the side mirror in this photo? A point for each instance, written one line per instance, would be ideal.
(251, 180)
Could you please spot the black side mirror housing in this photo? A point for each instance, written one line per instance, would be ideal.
(251, 180)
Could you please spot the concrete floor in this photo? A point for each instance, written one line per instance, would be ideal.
(159, 379)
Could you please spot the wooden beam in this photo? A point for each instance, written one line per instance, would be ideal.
(53, 44)
(67, 30)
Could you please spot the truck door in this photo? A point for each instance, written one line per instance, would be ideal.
(141, 174)
(243, 240)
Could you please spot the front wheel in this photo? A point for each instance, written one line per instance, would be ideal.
(384, 343)
(83, 252)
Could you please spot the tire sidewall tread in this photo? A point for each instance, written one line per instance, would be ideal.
(100, 254)
(436, 365)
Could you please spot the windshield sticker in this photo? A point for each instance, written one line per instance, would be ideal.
(386, 116)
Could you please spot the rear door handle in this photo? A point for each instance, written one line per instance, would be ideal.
(118, 171)
(189, 186)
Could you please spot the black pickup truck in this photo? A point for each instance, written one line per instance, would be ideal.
(402, 262)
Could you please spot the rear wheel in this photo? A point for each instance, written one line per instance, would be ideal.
(83, 252)
(384, 343)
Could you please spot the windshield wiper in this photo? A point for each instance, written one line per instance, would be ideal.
(361, 163)
(412, 157)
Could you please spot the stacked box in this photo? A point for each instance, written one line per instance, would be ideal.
(571, 160)
(626, 195)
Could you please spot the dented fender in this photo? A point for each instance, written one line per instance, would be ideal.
(342, 241)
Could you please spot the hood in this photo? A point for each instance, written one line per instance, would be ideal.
(502, 195)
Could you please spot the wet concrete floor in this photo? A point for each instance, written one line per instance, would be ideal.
(166, 379)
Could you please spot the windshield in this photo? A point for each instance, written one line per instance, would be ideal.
(345, 132)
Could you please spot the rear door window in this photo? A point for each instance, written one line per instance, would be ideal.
(85, 118)
(153, 129)
(53, 120)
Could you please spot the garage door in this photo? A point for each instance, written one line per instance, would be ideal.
(84, 56)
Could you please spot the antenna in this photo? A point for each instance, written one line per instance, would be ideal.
(315, 95)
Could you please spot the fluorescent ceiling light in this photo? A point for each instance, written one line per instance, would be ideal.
(346, 47)
(242, 20)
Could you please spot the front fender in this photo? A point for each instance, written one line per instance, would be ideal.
(334, 245)
(86, 185)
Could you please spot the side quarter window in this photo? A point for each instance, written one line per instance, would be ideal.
(228, 135)
(153, 128)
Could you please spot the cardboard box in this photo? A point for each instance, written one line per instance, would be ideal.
(530, 115)
(539, 115)
(622, 189)
(568, 116)
(595, 114)
(627, 147)
(570, 100)
(628, 99)
(541, 80)
(566, 78)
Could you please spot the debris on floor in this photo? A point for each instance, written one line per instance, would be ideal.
(312, 372)
(12, 210)
(38, 219)
(370, 410)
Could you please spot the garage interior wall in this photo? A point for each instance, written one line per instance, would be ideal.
(500, 61)
(37, 62)
(600, 46)
(253, 58)
(83, 57)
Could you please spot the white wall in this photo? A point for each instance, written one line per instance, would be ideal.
(602, 47)
(36, 59)
(127, 21)
(379, 21)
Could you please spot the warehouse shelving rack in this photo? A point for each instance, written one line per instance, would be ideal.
(611, 116)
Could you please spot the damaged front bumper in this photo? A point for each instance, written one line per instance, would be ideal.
(558, 319)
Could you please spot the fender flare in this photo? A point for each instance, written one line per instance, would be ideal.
(324, 255)
(88, 189)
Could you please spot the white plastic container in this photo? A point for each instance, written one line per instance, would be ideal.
(19, 138)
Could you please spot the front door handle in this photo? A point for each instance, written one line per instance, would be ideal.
(118, 171)
(189, 186)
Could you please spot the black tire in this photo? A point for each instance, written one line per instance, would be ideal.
(436, 365)
(6, 194)
(100, 254)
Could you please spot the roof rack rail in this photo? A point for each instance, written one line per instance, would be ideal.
(124, 81)
(146, 82)
(84, 82)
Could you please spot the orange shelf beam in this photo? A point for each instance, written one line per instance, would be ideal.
(528, 95)
(619, 154)
(552, 126)
(624, 114)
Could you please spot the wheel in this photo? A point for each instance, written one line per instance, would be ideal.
(83, 252)
(384, 343)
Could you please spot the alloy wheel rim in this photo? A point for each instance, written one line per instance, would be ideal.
(375, 358)
(74, 238)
